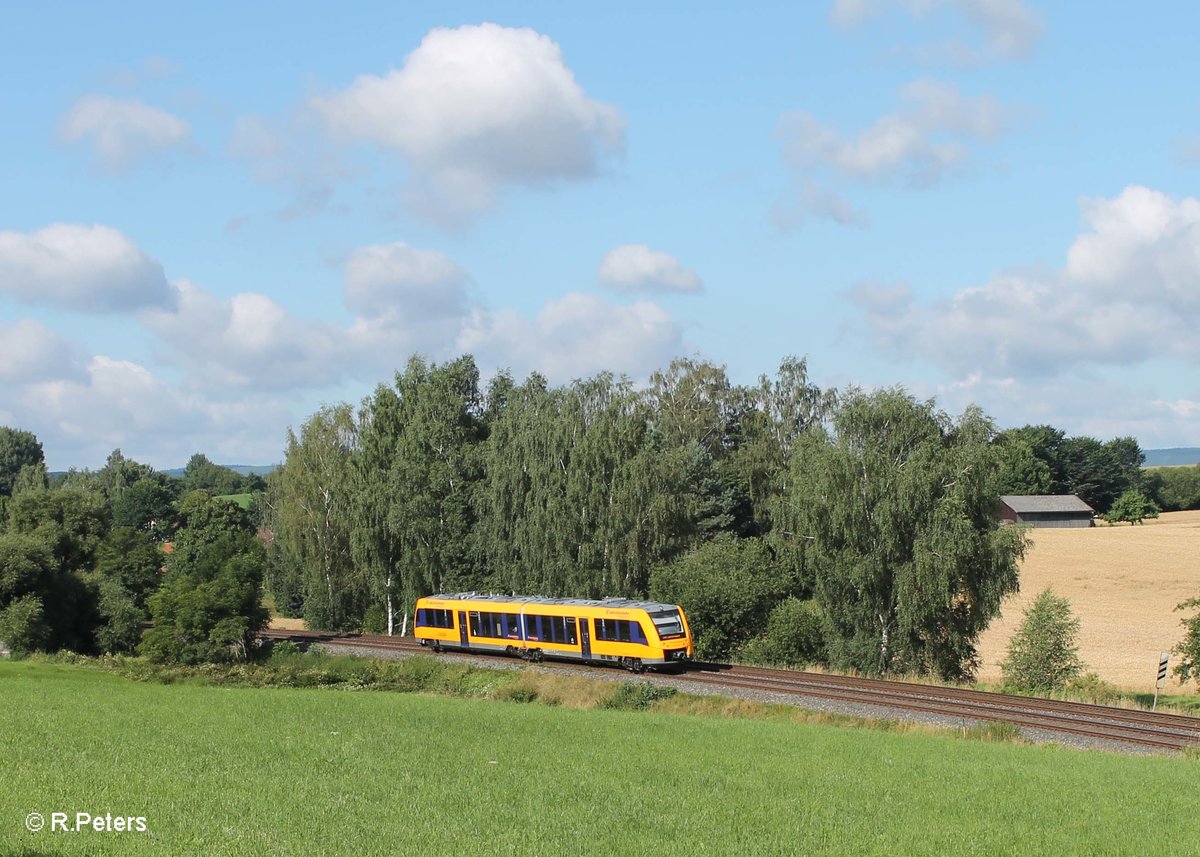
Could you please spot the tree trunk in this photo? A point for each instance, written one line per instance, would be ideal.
(391, 616)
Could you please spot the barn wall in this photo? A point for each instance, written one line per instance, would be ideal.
(1057, 521)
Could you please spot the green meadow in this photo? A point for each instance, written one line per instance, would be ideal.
(233, 770)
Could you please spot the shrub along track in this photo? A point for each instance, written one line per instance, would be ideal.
(1140, 728)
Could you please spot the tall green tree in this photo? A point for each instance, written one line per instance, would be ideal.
(435, 471)
(148, 505)
(309, 501)
(17, 449)
(894, 508)
(127, 572)
(71, 523)
(118, 473)
(200, 474)
(1019, 469)
(582, 496)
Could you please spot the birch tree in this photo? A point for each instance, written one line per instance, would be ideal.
(894, 505)
(309, 511)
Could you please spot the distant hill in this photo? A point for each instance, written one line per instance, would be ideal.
(243, 469)
(1172, 457)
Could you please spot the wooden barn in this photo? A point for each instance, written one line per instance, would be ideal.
(1051, 510)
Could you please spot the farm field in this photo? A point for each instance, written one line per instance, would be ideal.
(1123, 583)
(228, 771)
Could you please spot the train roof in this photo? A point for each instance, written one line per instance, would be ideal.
(615, 603)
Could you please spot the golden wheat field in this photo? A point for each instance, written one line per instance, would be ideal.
(1123, 583)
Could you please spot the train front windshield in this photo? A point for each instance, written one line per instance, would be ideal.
(668, 624)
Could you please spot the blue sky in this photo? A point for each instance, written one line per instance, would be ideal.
(217, 218)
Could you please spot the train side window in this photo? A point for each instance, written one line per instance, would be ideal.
(476, 631)
(623, 630)
(421, 618)
(601, 629)
(572, 638)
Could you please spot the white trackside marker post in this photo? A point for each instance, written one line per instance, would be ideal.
(1162, 676)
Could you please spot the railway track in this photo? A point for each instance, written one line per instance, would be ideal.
(1127, 726)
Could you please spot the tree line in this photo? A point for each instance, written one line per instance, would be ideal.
(859, 526)
(795, 524)
(126, 559)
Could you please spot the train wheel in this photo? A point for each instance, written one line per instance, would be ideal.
(437, 647)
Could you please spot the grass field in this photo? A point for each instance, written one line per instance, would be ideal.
(225, 771)
(1123, 583)
(242, 500)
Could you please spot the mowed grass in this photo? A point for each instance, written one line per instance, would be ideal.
(225, 771)
(1123, 583)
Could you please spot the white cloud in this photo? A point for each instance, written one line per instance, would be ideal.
(390, 280)
(476, 109)
(404, 301)
(920, 143)
(30, 351)
(1129, 292)
(635, 268)
(85, 268)
(290, 153)
(575, 336)
(811, 197)
(249, 341)
(1081, 401)
(1009, 29)
(112, 403)
(853, 13)
(122, 131)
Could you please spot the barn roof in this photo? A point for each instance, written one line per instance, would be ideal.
(1023, 504)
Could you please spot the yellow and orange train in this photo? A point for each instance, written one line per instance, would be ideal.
(632, 634)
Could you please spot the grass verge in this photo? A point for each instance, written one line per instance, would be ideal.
(238, 770)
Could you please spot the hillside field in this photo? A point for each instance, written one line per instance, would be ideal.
(231, 771)
(1123, 583)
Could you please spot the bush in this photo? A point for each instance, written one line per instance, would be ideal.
(727, 588)
(795, 637)
(1089, 687)
(1189, 648)
(375, 620)
(637, 696)
(1042, 655)
(284, 649)
(23, 626)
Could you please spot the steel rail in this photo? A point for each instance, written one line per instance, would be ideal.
(1149, 729)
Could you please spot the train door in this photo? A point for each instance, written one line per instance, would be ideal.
(585, 638)
(462, 629)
